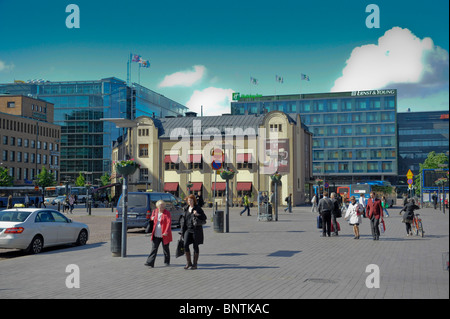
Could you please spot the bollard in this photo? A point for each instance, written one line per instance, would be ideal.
(218, 221)
(116, 238)
(89, 208)
(59, 206)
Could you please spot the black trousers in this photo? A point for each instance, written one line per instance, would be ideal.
(155, 245)
(326, 223)
(374, 223)
(189, 239)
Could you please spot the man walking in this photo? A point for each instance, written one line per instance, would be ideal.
(434, 197)
(335, 213)
(374, 212)
(246, 206)
(325, 209)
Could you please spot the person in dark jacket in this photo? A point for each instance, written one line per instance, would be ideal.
(192, 233)
(10, 202)
(408, 217)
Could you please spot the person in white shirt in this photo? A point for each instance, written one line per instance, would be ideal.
(353, 215)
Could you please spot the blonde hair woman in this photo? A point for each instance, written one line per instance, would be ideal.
(353, 214)
(162, 232)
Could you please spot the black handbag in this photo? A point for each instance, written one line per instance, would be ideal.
(198, 222)
(149, 227)
(180, 248)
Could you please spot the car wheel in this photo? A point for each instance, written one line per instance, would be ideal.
(82, 238)
(36, 245)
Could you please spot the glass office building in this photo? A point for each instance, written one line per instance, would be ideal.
(86, 141)
(354, 133)
(420, 133)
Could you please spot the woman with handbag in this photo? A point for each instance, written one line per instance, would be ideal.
(161, 233)
(192, 230)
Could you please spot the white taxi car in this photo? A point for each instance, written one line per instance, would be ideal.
(32, 229)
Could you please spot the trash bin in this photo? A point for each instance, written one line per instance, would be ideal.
(116, 238)
(218, 221)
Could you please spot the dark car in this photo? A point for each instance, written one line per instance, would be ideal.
(140, 206)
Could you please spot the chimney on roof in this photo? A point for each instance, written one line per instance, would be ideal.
(190, 114)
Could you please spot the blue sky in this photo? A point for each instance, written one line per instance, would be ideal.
(202, 51)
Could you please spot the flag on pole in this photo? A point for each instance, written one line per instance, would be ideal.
(278, 79)
(253, 81)
(144, 63)
(305, 77)
(135, 58)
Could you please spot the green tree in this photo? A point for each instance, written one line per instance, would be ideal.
(105, 179)
(433, 160)
(5, 179)
(45, 178)
(80, 180)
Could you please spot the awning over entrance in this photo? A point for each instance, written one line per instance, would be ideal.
(244, 186)
(171, 187)
(195, 158)
(244, 158)
(171, 159)
(196, 186)
(220, 186)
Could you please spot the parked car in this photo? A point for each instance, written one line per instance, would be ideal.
(59, 199)
(33, 229)
(140, 207)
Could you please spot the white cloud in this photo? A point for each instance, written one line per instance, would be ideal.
(215, 101)
(184, 78)
(416, 67)
(5, 67)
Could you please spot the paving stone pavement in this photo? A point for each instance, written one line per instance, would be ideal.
(286, 259)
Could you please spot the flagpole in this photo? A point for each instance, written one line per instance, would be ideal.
(139, 76)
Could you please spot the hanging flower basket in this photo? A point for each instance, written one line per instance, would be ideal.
(276, 177)
(319, 181)
(127, 167)
(227, 174)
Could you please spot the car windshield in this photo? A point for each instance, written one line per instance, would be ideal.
(14, 216)
(136, 200)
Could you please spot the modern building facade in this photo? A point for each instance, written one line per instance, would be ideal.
(175, 155)
(420, 133)
(28, 138)
(86, 141)
(354, 133)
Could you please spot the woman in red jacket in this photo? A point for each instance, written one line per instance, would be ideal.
(374, 212)
(162, 232)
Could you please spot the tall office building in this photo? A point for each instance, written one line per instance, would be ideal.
(354, 133)
(420, 133)
(86, 141)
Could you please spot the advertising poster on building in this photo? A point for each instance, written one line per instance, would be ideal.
(276, 156)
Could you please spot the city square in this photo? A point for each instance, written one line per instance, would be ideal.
(284, 259)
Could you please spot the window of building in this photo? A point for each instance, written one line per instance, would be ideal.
(11, 105)
(143, 150)
(5, 140)
(143, 174)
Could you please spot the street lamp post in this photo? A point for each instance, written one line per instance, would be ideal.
(128, 124)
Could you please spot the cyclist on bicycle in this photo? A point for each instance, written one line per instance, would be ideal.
(408, 216)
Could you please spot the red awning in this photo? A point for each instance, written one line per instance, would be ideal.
(171, 187)
(171, 159)
(244, 186)
(244, 158)
(220, 186)
(196, 186)
(195, 158)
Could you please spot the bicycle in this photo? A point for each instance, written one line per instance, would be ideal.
(417, 226)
